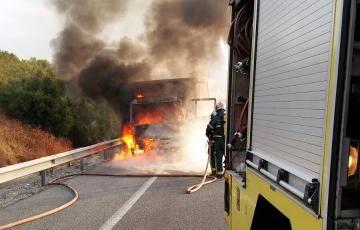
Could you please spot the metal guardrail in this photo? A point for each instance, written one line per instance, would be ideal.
(12, 172)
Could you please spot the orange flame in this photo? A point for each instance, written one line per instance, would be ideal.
(145, 116)
(139, 95)
(130, 147)
(149, 118)
(150, 144)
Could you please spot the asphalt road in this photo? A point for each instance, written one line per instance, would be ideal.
(124, 203)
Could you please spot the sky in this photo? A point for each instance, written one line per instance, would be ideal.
(29, 26)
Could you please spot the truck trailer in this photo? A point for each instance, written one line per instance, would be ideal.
(294, 94)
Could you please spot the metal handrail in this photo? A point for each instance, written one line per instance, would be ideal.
(283, 183)
(12, 172)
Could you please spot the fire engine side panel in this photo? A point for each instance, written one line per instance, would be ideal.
(291, 84)
(243, 211)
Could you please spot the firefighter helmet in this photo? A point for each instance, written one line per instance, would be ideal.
(219, 105)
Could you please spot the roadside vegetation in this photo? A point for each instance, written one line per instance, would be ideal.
(31, 93)
(20, 142)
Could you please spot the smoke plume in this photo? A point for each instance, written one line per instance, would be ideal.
(180, 38)
(183, 35)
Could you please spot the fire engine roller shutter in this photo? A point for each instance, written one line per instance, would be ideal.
(291, 82)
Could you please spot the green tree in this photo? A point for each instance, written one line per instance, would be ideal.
(11, 68)
(93, 123)
(39, 68)
(40, 102)
(31, 93)
(14, 69)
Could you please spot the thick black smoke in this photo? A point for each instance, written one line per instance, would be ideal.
(107, 78)
(74, 50)
(184, 34)
(180, 37)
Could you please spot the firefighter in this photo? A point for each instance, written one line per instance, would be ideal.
(216, 126)
(210, 136)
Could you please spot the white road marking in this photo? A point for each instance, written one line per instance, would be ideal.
(120, 213)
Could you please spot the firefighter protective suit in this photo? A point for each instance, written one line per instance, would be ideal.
(211, 150)
(216, 126)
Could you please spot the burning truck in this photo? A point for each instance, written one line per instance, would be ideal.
(157, 109)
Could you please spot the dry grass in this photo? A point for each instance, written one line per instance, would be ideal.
(19, 142)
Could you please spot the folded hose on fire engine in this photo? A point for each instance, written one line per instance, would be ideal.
(239, 37)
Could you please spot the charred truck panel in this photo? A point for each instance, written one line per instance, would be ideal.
(293, 94)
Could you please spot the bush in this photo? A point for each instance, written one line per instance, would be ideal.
(93, 123)
(13, 69)
(40, 102)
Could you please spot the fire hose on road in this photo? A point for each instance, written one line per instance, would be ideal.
(47, 213)
(189, 190)
(196, 187)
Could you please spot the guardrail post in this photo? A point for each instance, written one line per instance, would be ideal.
(109, 154)
(51, 171)
(82, 164)
(44, 180)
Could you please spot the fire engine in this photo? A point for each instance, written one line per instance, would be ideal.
(294, 94)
